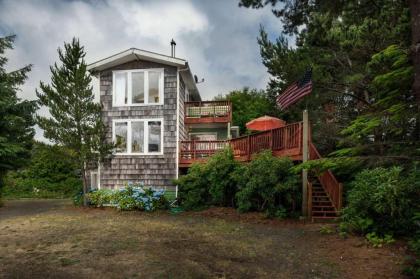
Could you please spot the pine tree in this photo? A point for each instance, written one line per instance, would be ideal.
(75, 120)
(360, 98)
(16, 116)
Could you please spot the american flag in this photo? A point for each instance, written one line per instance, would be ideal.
(296, 91)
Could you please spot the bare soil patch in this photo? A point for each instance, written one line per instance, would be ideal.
(53, 239)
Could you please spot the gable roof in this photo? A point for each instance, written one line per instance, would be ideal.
(139, 54)
(134, 54)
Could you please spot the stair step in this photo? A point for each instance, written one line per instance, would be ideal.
(323, 198)
(324, 211)
(324, 219)
(322, 207)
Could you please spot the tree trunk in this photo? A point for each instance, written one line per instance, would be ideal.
(85, 186)
(415, 54)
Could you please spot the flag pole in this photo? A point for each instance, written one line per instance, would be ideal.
(305, 157)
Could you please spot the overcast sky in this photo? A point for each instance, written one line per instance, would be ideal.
(216, 37)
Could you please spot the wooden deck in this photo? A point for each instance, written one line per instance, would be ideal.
(208, 112)
(324, 201)
(284, 142)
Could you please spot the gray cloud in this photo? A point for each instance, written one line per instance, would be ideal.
(217, 37)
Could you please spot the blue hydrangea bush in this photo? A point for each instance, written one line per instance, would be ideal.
(131, 197)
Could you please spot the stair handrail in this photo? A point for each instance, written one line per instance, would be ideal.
(309, 199)
(327, 179)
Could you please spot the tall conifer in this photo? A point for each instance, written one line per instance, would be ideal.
(75, 120)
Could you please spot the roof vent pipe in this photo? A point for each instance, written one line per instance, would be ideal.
(173, 44)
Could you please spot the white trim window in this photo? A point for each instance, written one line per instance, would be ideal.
(137, 87)
(138, 136)
(94, 180)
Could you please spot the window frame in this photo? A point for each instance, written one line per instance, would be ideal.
(146, 87)
(92, 173)
(145, 133)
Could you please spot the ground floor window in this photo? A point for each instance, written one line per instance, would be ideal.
(94, 180)
(139, 136)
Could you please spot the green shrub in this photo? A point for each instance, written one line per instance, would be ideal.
(131, 197)
(209, 183)
(51, 173)
(377, 241)
(267, 184)
(223, 186)
(194, 187)
(326, 230)
(100, 197)
(382, 201)
(413, 261)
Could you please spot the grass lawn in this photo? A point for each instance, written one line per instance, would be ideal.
(53, 239)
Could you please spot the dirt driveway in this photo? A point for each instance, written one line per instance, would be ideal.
(52, 239)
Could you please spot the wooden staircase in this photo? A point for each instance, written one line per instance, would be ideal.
(325, 193)
(321, 207)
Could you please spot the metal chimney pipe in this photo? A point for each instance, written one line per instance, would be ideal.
(173, 44)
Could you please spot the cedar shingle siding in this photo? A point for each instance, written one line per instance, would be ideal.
(183, 135)
(152, 170)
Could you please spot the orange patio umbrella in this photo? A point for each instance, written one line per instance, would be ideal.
(265, 123)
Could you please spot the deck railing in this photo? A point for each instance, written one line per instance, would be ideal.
(285, 141)
(216, 110)
(195, 150)
(333, 188)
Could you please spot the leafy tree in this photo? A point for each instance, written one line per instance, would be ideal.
(75, 120)
(52, 172)
(248, 104)
(17, 116)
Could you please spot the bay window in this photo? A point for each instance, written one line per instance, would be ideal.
(138, 87)
(138, 136)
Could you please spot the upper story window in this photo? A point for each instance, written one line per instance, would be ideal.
(138, 87)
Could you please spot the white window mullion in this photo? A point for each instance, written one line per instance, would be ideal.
(146, 137)
(146, 87)
(129, 137)
(129, 89)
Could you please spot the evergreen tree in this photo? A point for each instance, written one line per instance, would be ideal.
(75, 120)
(358, 50)
(16, 116)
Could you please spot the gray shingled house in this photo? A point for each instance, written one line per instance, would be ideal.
(153, 109)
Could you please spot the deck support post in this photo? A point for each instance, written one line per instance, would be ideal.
(305, 157)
